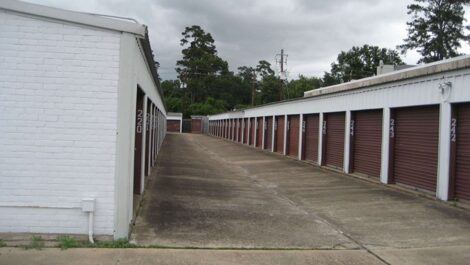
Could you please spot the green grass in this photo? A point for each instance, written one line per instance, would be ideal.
(66, 242)
(2, 243)
(36, 243)
(120, 243)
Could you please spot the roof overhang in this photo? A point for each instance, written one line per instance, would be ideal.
(94, 20)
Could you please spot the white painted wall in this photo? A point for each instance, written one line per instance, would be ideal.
(134, 73)
(58, 116)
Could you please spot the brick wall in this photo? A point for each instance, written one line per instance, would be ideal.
(58, 107)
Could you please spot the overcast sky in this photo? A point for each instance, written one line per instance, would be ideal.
(312, 32)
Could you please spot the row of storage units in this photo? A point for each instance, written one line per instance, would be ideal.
(150, 128)
(412, 131)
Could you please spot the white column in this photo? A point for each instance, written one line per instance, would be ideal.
(384, 178)
(320, 138)
(272, 133)
(347, 140)
(286, 125)
(301, 128)
(445, 121)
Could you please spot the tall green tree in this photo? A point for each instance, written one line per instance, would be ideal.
(436, 29)
(297, 87)
(200, 64)
(359, 62)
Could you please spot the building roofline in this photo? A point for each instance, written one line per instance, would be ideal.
(413, 72)
(88, 19)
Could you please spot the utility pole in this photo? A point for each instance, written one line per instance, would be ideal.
(282, 74)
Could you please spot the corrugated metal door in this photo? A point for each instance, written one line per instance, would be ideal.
(259, 133)
(311, 137)
(245, 131)
(252, 131)
(268, 133)
(415, 141)
(173, 126)
(462, 158)
(334, 144)
(294, 123)
(196, 126)
(279, 147)
(240, 130)
(366, 142)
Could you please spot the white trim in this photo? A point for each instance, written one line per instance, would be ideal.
(320, 137)
(347, 140)
(384, 178)
(301, 121)
(443, 163)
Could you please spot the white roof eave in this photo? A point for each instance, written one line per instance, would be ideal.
(99, 21)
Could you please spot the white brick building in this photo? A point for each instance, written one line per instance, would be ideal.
(74, 91)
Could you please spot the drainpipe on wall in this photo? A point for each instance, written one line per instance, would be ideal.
(88, 206)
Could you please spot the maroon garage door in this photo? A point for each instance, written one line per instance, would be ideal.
(245, 130)
(240, 128)
(366, 142)
(279, 135)
(252, 131)
(293, 133)
(268, 132)
(415, 145)
(461, 145)
(173, 126)
(310, 136)
(334, 140)
(259, 132)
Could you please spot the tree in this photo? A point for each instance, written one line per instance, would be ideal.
(359, 62)
(200, 64)
(297, 87)
(436, 29)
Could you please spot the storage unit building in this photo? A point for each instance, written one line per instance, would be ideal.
(407, 127)
(80, 129)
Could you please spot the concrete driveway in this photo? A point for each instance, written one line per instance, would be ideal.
(212, 193)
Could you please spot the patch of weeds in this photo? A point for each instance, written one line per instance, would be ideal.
(120, 243)
(2, 243)
(66, 242)
(36, 243)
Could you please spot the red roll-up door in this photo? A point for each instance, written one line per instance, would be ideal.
(268, 133)
(334, 144)
(245, 131)
(462, 158)
(416, 135)
(196, 126)
(293, 143)
(259, 136)
(311, 137)
(252, 131)
(366, 139)
(279, 147)
(173, 126)
(239, 130)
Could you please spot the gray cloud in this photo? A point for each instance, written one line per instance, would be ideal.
(246, 31)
